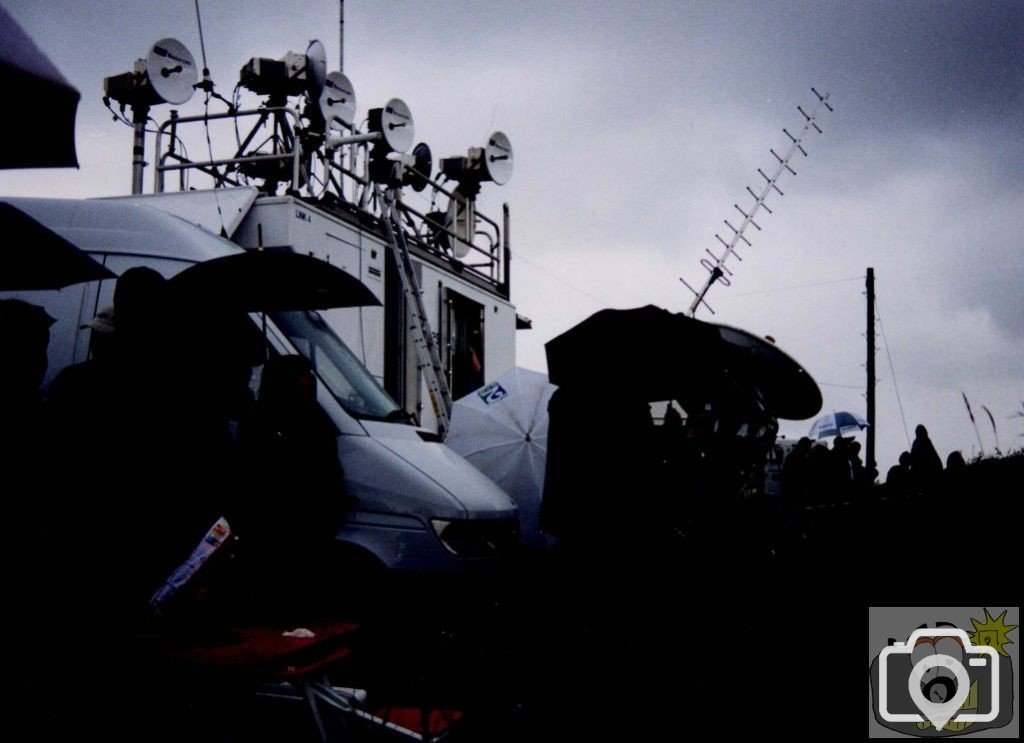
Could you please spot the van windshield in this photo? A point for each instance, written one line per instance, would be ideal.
(338, 368)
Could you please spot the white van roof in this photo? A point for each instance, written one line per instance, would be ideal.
(107, 226)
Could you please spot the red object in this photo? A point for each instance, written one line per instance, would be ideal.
(265, 651)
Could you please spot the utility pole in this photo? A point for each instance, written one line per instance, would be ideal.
(869, 462)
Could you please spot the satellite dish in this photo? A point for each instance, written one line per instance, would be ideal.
(424, 161)
(316, 69)
(338, 101)
(498, 158)
(172, 71)
(397, 125)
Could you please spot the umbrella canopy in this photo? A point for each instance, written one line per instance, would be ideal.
(502, 430)
(645, 352)
(786, 387)
(36, 257)
(651, 354)
(836, 424)
(45, 137)
(271, 281)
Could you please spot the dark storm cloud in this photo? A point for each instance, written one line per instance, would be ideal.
(636, 128)
(925, 63)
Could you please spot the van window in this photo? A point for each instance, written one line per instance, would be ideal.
(341, 372)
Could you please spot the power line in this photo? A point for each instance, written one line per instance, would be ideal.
(799, 286)
(559, 279)
(892, 370)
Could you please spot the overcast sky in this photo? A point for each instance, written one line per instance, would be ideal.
(637, 126)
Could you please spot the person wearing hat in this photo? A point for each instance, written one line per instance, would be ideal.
(80, 391)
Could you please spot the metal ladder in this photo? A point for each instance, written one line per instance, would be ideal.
(427, 354)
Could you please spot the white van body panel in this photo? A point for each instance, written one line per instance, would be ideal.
(214, 211)
(478, 495)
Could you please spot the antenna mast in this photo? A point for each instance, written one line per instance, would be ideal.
(715, 265)
(341, 35)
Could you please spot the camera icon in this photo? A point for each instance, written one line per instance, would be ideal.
(928, 672)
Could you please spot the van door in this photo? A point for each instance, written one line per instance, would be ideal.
(463, 335)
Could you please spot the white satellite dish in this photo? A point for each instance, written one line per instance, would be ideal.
(338, 101)
(498, 158)
(397, 125)
(316, 68)
(172, 71)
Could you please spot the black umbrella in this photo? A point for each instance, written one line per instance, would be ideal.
(651, 354)
(270, 281)
(35, 257)
(643, 353)
(41, 133)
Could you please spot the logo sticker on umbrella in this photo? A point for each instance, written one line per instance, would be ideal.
(492, 393)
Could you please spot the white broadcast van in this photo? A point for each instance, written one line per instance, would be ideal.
(417, 505)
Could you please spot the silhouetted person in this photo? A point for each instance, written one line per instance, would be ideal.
(955, 461)
(796, 474)
(80, 396)
(859, 474)
(25, 335)
(287, 516)
(899, 480)
(600, 457)
(821, 474)
(925, 464)
(841, 471)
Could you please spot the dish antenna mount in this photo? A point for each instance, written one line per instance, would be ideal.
(168, 74)
(492, 162)
(293, 75)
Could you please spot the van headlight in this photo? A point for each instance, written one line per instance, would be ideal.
(477, 537)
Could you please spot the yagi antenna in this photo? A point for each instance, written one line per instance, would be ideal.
(715, 265)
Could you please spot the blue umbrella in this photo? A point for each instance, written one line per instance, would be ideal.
(835, 424)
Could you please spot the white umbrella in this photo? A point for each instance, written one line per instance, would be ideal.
(502, 430)
(834, 424)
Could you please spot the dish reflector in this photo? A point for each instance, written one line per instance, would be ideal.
(316, 68)
(397, 125)
(172, 71)
(338, 101)
(498, 158)
(424, 162)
